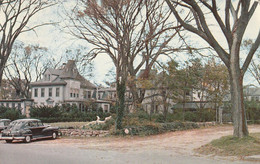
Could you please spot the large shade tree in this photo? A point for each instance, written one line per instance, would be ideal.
(26, 64)
(132, 33)
(15, 16)
(233, 21)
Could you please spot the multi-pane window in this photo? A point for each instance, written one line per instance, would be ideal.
(42, 92)
(89, 94)
(13, 105)
(85, 94)
(35, 92)
(57, 92)
(47, 77)
(50, 92)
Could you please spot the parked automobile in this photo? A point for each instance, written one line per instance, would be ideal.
(28, 130)
(4, 123)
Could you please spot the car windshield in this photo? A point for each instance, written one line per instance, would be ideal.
(2, 123)
(15, 125)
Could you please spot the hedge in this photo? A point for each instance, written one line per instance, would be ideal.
(59, 114)
(159, 128)
(10, 113)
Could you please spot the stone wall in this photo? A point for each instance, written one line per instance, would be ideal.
(84, 133)
(102, 133)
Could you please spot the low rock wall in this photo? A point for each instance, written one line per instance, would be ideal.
(84, 133)
(102, 133)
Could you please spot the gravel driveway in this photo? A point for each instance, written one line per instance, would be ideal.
(173, 147)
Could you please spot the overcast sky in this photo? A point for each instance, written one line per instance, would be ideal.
(56, 41)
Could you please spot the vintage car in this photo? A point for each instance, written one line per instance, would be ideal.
(4, 123)
(28, 130)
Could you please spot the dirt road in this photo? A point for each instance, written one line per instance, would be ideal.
(179, 142)
(164, 148)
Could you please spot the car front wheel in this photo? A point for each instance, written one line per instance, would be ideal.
(54, 135)
(27, 139)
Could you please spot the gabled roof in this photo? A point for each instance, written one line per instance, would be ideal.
(67, 71)
(84, 83)
(56, 81)
(55, 71)
(254, 91)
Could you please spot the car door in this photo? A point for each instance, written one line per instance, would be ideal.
(40, 128)
(36, 129)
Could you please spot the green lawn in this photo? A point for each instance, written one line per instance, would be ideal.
(65, 125)
(230, 146)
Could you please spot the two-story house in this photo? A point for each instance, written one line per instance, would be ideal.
(65, 86)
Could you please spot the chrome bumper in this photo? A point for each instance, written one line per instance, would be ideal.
(12, 138)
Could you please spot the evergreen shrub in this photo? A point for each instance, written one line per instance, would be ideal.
(65, 114)
(10, 113)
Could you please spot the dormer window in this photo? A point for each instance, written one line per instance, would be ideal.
(47, 77)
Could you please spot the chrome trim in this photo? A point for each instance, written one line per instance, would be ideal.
(12, 138)
(41, 137)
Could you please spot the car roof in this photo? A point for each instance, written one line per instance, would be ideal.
(5, 120)
(26, 120)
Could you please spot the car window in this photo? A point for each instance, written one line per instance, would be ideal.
(34, 124)
(2, 124)
(7, 123)
(26, 125)
(40, 123)
(15, 125)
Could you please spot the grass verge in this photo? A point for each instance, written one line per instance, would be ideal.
(66, 125)
(230, 146)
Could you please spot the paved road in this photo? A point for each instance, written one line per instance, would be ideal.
(169, 148)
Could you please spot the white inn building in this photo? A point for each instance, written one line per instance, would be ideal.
(66, 86)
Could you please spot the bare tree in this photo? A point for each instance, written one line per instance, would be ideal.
(254, 67)
(85, 67)
(15, 16)
(25, 65)
(230, 53)
(157, 34)
(126, 31)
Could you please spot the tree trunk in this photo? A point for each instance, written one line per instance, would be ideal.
(1, 76)
(237, 102)
(183, 107)
(121, 87)
(236, 75)
(137, 95)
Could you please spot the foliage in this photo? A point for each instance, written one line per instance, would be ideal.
(141, 123)
(65, 114)
(121, 87)
(158, 128)
(10, 113)
(253, 111)
(44, 111)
